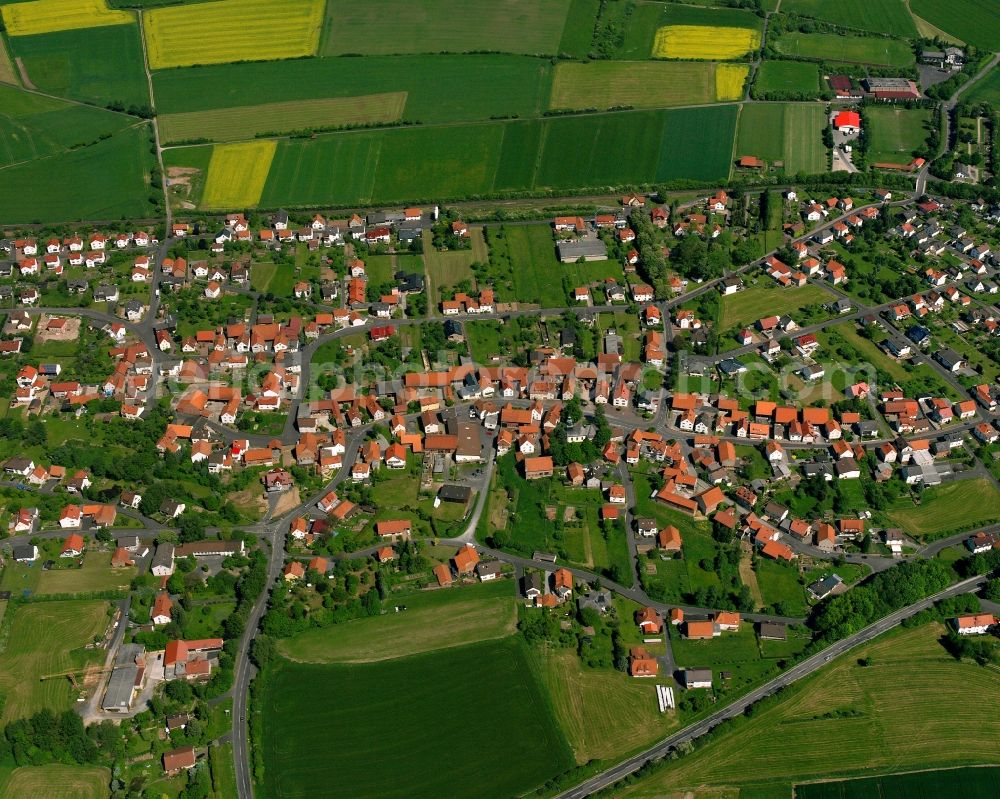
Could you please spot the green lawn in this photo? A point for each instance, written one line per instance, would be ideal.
(779, 582)
(896, 133)
(392, 730)
(749, 305)
(850, 49)
(433, 620)
(786, 76)
(788, 132)
(95, 575)
(854, 714)
(949, 508)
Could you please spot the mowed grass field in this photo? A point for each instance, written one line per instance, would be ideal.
(439, 88)
(912, 686)
(42, 636)
(433, 620)
(949, 507)
(756, 302)
(848, 49)
(55, 781)
(704, 42)
(397, 729)
(786, 76)
(32, 126)
(641, 84)
(604, 713)
(107, 180)
(971, 21)
(46, 16)
(880, 16)
(532, 27)
(237, 173)
(96, 575)
(230, 124)
(896, 131)
(969, 783)
(64, 63)
(788, 132)
(232, 30)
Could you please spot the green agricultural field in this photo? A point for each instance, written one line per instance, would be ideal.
(640, 84)
(412, 164)
(605, 714)
(66, 63)
(970, 20)
(786, 76)
(54, 781)
(854, 715)
(751, 304)
(95, 575)
(848, 49)
(533, 27)
(33, 126)
(433, 620)
(788, 132)
(880, 16)
(439, 88)
(231, 124)
(46, 638)
(949, 508)
(987, 90)
(537, 275)
(896, 132)
(107, 180)
(968, 783)
(578, 32)
(390, 730)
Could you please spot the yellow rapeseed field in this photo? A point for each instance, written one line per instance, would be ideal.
(232, 30)
(704, 41)
(46, 16)
(237, 173)
(729, 81)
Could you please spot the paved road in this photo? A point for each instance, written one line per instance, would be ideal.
(797, 672)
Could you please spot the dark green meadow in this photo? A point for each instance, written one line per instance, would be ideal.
(960, 783)
(95, 65)
(471, 721)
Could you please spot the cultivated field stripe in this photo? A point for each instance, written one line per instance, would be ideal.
(640, 84)
(232, 124)
(237, 173)
(46, 16)
(232, 30)
(730, 80)
(7, 73)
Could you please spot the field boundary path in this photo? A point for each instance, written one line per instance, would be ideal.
(168, 211)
